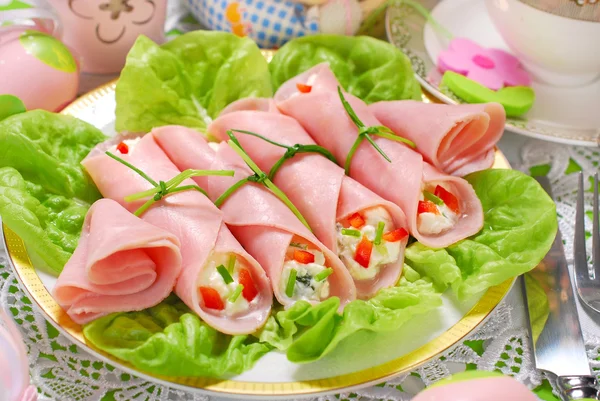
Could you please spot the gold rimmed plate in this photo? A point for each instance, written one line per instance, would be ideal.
(364, 360)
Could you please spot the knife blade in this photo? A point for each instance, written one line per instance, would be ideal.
(559, 349)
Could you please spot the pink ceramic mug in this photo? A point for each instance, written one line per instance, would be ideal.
(103, 31)
(34, 65)
(14, 365)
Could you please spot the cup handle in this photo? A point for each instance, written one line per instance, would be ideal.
(34, 13)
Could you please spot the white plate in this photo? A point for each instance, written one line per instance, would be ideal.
(565, 115)
(364, 360)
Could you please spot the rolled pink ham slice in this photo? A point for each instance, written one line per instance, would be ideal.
(402, 181)
(262, 223)
(316, 186)
(196, 222)
(121, 264)
(457, 139)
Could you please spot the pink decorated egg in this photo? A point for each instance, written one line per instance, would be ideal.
(38, 69)
(477, 386)
(14, 365)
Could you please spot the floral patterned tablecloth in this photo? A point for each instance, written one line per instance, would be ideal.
(62, 371)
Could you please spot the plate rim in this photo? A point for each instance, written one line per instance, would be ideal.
(27, 276)
(439, 96)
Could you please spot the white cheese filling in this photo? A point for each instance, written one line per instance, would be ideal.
(131, 143)
(384, 253)
(210, 277)
(305, 286)
(431, 223)
(309, 82)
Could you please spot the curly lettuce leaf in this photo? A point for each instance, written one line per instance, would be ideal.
(44, 191)
(369, 68)
(320, 328)
(170, 340)
(436, 264)
(520, 225)
(188, 81)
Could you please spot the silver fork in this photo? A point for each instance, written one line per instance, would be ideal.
(587, 281)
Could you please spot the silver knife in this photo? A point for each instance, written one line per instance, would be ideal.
(560, 349)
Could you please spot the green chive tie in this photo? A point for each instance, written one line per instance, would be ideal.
(161, 188)
(365, 132)
(290, 151)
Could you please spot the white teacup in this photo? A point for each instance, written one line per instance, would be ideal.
(557, 50)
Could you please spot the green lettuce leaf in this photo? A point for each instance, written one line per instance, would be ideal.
(519, 227)
(170, 340)
(369, 68)
(44, 191)
(537, 304)
(436, 264)
(320, 328)
(188, 81)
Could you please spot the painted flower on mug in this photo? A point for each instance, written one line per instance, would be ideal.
(492, 68)
(112, 17)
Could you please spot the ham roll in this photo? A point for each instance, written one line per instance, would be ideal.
(207, 245)
(457, 139)
(343, 214)
(121, 264)
(262, 223)
(440, 209)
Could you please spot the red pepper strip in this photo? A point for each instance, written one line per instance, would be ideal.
(363, 252)
(249, 292)
(427, 206)
(397, 235)
(123, 148)
(303, 88)
(448, 198)
(303, 257)
(356, 220)
(212, 299)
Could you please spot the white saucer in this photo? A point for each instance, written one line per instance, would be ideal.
(566, 115)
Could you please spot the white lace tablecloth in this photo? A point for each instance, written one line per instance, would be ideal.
(62, 371)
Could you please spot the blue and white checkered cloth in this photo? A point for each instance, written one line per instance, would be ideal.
(270, 23)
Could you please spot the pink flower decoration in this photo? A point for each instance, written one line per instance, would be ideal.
(14, 365)
(493, 68)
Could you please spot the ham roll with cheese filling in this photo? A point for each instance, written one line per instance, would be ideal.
(219, 281)
(312, 98)
(299, 265)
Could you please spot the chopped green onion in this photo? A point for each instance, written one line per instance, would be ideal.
(231, 264)
(324, 274)
(379, 234)
(298, 245)
(429, 196)
(350, 232)
(225, 274)
(236, 293)
(289, 288)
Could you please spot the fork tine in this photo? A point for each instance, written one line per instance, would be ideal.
(582, 274)
(596, 233)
